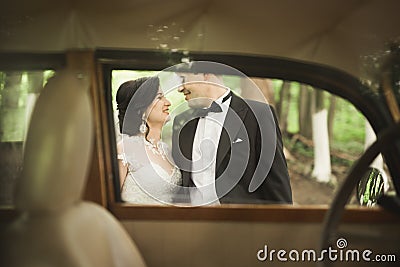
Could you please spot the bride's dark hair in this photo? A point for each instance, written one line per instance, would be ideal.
(144, 91)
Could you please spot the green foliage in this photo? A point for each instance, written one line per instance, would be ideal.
(348, 124)
(349, 128)
(14, 107)
(298, 147)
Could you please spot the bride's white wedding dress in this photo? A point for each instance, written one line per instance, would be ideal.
(146, 182)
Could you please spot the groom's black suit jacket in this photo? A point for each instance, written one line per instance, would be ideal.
(250, 148)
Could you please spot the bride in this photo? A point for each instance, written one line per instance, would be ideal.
(147, 172)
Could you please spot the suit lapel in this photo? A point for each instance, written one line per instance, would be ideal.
(232, 124)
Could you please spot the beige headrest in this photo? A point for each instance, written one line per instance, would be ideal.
(58, 146)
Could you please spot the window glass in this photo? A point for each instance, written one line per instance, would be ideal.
(18, 93)
(323, 134)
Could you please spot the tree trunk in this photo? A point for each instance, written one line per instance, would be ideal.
(322, 159)
(304, 106)
(283, 106)
(280, 103)
(331, 116)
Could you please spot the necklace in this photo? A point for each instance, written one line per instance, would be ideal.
(157, 149)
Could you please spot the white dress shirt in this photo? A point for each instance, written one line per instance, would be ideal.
(204, 153)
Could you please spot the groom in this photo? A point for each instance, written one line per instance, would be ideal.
(229, 149)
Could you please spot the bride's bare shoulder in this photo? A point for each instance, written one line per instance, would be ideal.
(129, 143)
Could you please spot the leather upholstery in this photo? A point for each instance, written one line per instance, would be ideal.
(57, 228)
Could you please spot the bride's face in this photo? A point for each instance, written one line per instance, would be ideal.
(158, 111)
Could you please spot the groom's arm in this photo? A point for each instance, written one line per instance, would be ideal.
(278, 179)
(276, 185)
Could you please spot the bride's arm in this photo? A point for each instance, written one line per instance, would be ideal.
(123, 172)
(122, 166)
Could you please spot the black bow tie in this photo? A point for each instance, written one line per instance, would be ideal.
(202, 112)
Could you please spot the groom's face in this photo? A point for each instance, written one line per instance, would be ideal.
(194, 88)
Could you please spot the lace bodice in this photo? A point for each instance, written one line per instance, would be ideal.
(147, 182)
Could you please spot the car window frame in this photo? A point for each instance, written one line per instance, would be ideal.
(325, 77)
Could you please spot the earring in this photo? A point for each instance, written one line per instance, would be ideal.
(143, 126)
